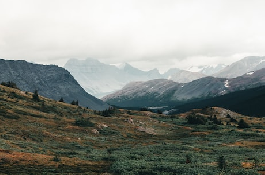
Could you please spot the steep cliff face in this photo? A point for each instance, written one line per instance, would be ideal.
(50, 80)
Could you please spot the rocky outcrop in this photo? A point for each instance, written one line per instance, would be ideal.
(50, 80)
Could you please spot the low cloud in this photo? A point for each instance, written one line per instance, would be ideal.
(143, 33)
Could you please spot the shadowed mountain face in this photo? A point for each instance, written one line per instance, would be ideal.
(51, 81)
(163, 92)
(248, 102)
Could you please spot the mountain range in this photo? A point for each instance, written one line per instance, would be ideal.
(101, 79)
(49, 80)
(247, 64)
(161, 92)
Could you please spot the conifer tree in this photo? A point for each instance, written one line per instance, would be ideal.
(35, 96)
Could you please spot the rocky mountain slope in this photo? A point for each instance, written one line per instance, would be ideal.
(165, 92)
(241, 67)
(51, 81)
(184, 76)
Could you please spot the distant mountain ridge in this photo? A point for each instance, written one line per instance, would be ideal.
(238, 68)
(162, 92)
(207, 69)
(183, 76)
(51, 81)
(100, 79)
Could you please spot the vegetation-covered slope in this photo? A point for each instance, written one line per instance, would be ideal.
(54, 137)
(248, 102)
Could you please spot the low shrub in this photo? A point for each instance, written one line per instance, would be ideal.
(84, 122)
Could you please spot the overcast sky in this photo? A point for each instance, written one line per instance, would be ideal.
(144, 33)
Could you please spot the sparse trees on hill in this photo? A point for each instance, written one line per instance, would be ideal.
(9, 84)
(107, 112)
(196, 119)
(74, 102)
(221, 163)
(242, 124)
(35, 96)
(61, 99)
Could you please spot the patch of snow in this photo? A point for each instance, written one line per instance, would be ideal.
(261, 61)
(195, 69)
(250, 73)
(226, 84)
(222, 92)
(157, 107)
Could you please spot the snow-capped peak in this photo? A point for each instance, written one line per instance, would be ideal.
(226, 84)
(195, 69)
(207, 69)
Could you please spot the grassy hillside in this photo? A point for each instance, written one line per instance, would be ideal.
(49, 137)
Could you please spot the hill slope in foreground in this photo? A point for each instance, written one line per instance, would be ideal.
(49, 137)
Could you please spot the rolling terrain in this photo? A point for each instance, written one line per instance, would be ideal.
(51, 137)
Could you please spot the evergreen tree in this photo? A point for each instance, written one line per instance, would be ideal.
(9, 84)
(242, 124)
(221, 162)
(74, 102)
(35, 96)
(61, 99)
